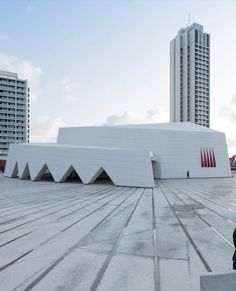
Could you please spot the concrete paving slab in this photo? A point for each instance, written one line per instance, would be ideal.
(218, 282)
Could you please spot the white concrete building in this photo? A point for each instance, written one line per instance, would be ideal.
(14, 111)
(131, 155)
(190, 76)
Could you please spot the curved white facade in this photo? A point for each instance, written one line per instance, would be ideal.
(131, 155)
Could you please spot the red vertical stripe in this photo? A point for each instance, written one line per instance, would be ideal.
(202, 164)
(210, 158)
(212, 154)
(214, 160)
(205, 158)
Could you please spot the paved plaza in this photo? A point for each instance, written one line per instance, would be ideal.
(72, 236)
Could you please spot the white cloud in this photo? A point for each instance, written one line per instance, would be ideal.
(226, 124)
(5, 37)
(25, 70)
(29, 8)
(150, 116)
(71, 88)
(45, 129)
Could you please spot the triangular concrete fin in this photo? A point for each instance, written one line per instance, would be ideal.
(37, 171)
(57, 170)
(14, 172)
(83, 170)
(60, 172)
(26, 173)
(21, 168)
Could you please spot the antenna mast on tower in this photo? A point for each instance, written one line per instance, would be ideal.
(189, 19)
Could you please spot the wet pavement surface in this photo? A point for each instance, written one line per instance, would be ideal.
(72, 236)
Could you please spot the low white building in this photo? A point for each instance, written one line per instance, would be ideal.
(131, 155)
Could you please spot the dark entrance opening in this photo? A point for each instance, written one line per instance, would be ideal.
(103, 178)
(73, 178)
(45, 174)
(15, 172)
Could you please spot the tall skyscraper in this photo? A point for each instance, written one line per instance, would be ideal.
(14, 111)
(190, 76)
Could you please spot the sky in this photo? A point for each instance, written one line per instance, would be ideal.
(96, 62)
